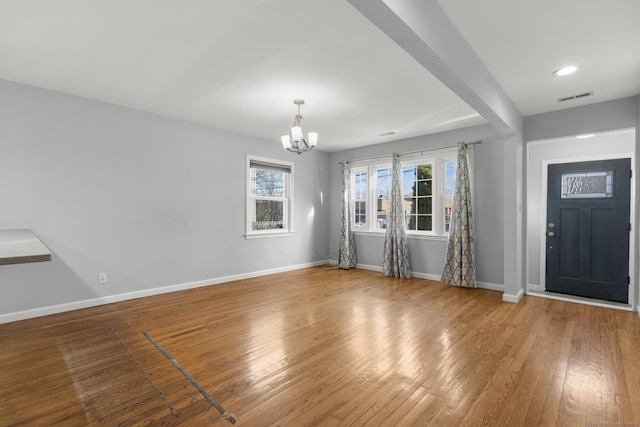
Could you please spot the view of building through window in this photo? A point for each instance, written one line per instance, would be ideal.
(360, 198)
(427, 189)
(449, 185)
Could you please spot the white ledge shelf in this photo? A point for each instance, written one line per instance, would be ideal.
(22, 246)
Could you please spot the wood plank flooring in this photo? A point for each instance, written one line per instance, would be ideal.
(325, 347)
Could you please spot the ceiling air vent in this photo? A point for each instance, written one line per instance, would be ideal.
(569, 98)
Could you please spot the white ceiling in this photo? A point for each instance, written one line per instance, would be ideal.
(238, 65)
(522, 42)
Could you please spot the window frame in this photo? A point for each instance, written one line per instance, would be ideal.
(358, 213)
(373, 172)
(287, 198)
(438, 159)
(435, 194)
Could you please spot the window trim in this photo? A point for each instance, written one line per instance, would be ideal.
(438, 158)
(288, 229)
(436, 194)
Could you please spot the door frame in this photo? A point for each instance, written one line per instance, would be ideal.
(543, 216)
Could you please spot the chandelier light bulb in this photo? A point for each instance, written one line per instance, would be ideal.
(286, 141)
(296, 133)
(313, 139)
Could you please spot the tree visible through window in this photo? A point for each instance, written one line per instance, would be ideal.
(269, 206)
(268, 197)
(420, 199)
(427, 189)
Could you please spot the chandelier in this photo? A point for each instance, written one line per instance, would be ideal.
(295, 141)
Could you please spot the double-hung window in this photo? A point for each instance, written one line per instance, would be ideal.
(427, 190)
(269, 197)
(360, 198)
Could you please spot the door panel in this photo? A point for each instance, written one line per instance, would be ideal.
(601, 237)
(569, 239)
(588, 229)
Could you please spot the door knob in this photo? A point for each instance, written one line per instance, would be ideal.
(551, 234)
(551, 225)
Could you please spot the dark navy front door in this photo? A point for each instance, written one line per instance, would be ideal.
(587, 229)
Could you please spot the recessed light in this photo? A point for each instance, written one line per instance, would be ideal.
(586, 135)
(565, 71)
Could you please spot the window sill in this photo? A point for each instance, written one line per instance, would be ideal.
(268, 235)
(442, 238)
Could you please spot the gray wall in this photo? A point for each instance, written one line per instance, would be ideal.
(427, 255)
(142, 197)
(150, 200)
(600, 117)
(613, 144)
(621, 113)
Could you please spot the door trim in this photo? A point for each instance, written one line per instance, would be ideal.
(543, 215)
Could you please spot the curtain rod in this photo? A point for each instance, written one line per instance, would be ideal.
(410, 152)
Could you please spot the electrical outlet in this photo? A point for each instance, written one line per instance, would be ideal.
(102, 277)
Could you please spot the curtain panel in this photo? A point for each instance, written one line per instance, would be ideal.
(347, 253)
(396, 250)
(459, 268)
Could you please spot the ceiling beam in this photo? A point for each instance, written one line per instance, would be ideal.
(425, 32)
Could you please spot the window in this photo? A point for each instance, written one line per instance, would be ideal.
(417, 189)
(449, 185)
(360, 199)
(269, 197)
(427, 189)
(587, 185)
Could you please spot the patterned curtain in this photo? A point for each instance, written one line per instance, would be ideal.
(459, 269)
(347, 254)
(396, 251)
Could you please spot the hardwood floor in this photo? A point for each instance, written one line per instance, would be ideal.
(325, 347)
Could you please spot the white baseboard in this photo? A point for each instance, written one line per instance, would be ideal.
(490, 286)
(434, 277)
(580, 300)
(482, 285)
(534, 288)
(413, 273)
(77, 305)
(369, 267)
(513, 298)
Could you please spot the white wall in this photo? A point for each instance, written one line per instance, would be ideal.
(152, 201)
(427, 256)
